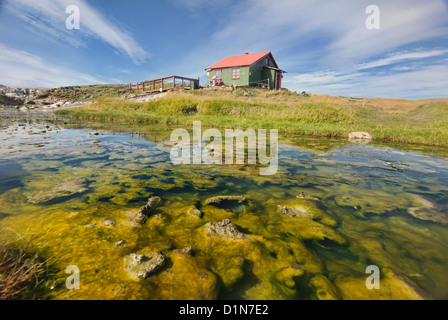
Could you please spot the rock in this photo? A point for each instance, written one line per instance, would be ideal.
(64, 188)
(187, 278)
(285, 279)
(143, 213)
(150, 205)
(119, 244)
(428, 212)
(187, 250)
(360, 135)
(224, 229)
(234, 204)
(393, 286)
(141, 266)
(109, 222)
(195, 212)
(304, 195)
(293, 212)
(324, 289)
(219, 199)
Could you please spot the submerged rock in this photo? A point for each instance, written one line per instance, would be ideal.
(224, 229)
(393, 286)
(61, 189)
(139, 218)
(119, 244)
(195, 212)
(324, 289)
(234, 204)
(148, 207)
(302, 208)
(293, 212)
(186, 278)
(428, 212)
(285, 279)
(220, 199)
(140, 266)
(108, 222)
(304, 195)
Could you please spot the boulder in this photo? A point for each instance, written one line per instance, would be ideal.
(224, 229)
(360, 135)
(141, 266)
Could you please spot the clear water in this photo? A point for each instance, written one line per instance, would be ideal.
(358, 197)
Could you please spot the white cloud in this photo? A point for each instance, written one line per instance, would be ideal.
(400, 57)
(23, 69)
(426, 82)
(47, 18)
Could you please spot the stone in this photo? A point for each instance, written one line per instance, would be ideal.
(360, 135)
(429, 211)
(195, 212)
(63, 188)
(293, 212)
(141, 266)
(108, 222)
(234, 204)
(140, 217)
(323, 288)
(188, 250)
(224, 229)
(119, 244)
(219, 199)
(429, 214)
(150, 205)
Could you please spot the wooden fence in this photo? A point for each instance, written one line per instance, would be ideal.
(164, 84)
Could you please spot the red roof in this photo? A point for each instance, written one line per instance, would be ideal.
(238, 61)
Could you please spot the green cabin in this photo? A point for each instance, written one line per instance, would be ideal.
(247, 70)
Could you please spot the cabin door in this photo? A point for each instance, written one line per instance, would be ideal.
(278, 80)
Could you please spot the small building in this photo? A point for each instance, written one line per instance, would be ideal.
(247, 70)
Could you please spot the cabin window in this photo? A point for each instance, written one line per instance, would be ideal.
(218, 74)
(267, 61)
(235, 73)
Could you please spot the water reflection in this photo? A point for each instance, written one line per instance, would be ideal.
(332, 209)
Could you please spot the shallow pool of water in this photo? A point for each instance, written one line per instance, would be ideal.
(332, 209)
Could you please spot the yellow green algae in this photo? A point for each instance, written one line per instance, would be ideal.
(351, 205)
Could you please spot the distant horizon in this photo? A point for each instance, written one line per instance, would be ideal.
(322, 94)
(398, 50)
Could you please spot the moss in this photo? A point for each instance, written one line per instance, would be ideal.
(323, 288)
(393, 286)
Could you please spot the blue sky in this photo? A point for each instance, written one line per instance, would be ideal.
(324, 45)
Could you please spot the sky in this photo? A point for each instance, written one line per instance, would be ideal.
(325, 46)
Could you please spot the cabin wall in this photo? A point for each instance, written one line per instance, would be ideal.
(226, 77)
(260, 74)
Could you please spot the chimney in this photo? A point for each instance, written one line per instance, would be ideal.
(246, 52)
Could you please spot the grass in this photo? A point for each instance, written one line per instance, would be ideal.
(393, 120)
(18, 273)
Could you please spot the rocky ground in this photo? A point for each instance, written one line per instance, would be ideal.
(40, 99)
